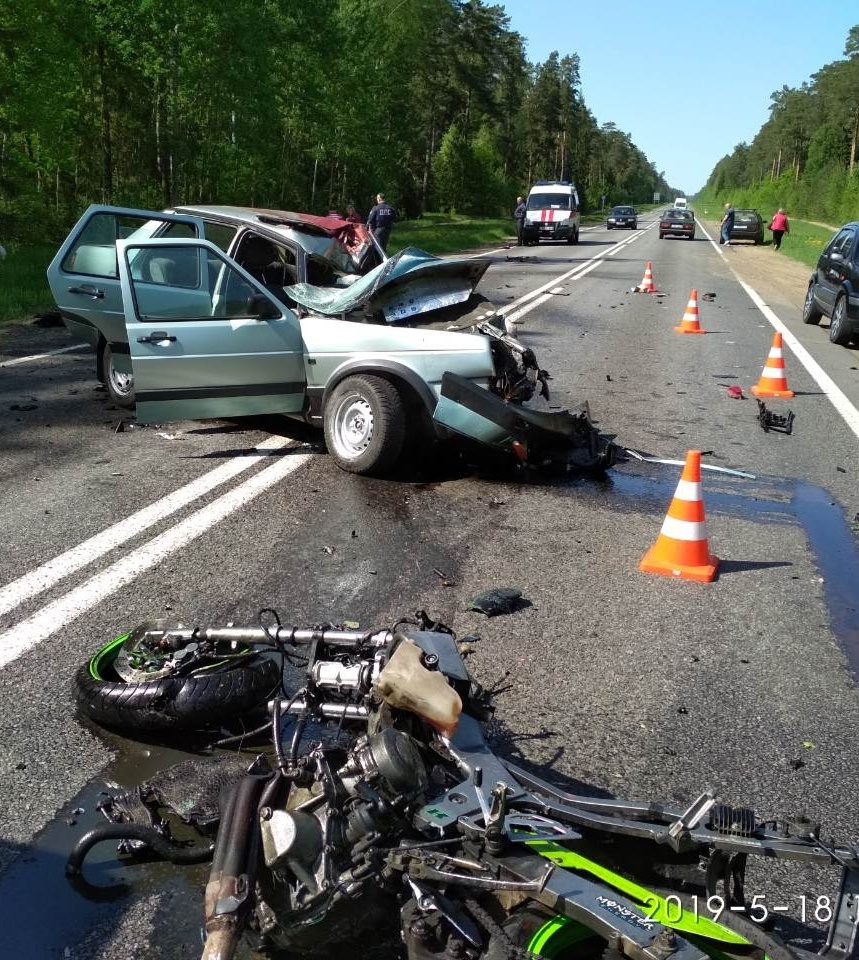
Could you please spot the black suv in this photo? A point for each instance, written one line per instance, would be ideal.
(833, 289)
(748, 225)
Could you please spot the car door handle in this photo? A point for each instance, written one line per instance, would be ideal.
(89, 291)
(157, 336)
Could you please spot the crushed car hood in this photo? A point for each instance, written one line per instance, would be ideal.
(411, 282)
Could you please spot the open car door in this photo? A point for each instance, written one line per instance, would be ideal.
(206, 339)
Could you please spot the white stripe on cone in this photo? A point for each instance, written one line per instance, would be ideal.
(689, 530)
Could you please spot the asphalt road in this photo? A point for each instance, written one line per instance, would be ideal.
(623, 682)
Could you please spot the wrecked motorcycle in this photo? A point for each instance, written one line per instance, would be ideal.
(384, 800)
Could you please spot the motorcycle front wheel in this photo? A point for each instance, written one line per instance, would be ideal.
(171, 701)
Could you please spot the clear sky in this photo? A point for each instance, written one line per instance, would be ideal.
(689, 80)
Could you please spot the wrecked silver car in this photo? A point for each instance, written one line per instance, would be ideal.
(406, 347)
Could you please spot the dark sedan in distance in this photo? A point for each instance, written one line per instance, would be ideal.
(677, 222)
(622, 218)
(748, 225)
(833, 289)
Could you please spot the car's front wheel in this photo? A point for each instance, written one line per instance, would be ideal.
(365, 424)
(120, 386)
(839, 330)
(810, 311)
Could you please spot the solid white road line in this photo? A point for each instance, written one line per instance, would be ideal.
(827, 385)
(41, 356)
(837, 398)
(45, 576)
(52, 618)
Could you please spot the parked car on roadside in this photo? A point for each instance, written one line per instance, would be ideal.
(677, 223)
(407, 347)
(833, 289)
(622, 218)
(748, 225)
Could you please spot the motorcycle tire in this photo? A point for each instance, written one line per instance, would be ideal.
(173, 703)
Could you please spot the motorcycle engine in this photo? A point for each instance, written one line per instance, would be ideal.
(319, 847)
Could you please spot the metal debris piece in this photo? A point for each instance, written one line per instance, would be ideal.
(774, 421)
(498, 601)
(708, 296)
(735, 392)
(445, 580)
(682, 463)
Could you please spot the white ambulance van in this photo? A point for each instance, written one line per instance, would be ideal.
(552, 212)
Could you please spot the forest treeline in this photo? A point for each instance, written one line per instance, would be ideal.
(291, 104)
(805, 158)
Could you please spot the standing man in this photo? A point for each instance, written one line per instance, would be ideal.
(519, 216)
(380, 220)
(727, 224)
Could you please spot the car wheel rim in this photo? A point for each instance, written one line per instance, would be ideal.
(809, 298)
(837, 316)
(353, 427)
(121, 383)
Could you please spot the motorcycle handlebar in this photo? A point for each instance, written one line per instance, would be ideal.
(288, 636)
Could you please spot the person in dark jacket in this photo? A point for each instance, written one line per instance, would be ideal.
(519, 215)
(727, 224)
(380, 220)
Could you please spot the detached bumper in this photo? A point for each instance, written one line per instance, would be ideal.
(561, 440)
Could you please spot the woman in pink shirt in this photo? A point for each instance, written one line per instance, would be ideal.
(779, 227)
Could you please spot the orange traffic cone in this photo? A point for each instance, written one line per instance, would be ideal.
(681, 549)
(646, 285)
(773, 382)
(690, 323)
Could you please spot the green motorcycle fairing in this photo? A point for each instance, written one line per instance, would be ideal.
(560, 933)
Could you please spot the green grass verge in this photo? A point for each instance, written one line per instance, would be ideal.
(805, 242)
(446, 233)
(24, 288)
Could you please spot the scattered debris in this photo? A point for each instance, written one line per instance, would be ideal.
(796, 763)
(50, 318)
(328, 550)
(498, 601)
(23, 407)
(774, 421)
(735, 391)
(708, 296)
(496, 502)
(445, 580)
(679, 463)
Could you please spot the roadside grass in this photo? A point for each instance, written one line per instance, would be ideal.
(805, 241)
(24, 288)
(446, 233)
